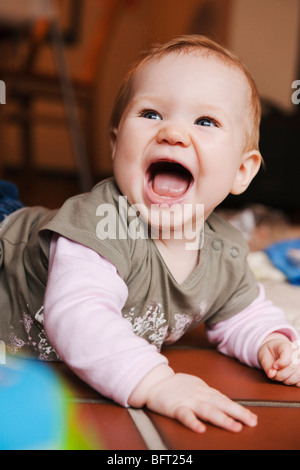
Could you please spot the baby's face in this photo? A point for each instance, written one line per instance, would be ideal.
(182, 135)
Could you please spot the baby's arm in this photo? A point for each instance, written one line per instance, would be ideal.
(260, 336)
(83, 320)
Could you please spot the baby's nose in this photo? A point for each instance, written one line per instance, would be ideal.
(174, 134)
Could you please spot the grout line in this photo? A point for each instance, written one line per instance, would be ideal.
(92, 401)
(269, 404)
(147, 430)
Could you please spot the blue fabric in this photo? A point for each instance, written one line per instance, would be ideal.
(279, 256)
(9, 199)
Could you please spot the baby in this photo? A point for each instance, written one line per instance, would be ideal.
(115, 274)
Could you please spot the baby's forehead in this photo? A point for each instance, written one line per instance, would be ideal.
(193, 64)
(198, 56)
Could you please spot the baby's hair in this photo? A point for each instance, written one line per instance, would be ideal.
(205, 46)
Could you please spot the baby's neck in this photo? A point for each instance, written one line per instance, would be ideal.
(180, 260)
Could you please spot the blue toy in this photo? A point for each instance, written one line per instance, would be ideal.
(34, 409)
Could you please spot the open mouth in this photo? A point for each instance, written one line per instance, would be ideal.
(168, 181)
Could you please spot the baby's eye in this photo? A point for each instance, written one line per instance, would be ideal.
(150, 114)
(206, 121)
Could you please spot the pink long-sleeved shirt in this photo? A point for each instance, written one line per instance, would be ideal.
(83, 320)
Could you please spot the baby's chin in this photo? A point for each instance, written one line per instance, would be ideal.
(172, 222)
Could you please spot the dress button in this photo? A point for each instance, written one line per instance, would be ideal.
(217, 244)
(234, 252)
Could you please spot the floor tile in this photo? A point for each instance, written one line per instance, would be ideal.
(229, 376)
(277, 429)
(109, 427)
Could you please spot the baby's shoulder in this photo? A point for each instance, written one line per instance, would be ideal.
(225, 230)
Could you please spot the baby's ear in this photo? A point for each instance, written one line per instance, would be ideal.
(113, 138)
(249, 167)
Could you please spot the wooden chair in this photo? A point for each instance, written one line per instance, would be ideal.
(26, 85)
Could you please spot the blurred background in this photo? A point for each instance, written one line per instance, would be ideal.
(62, 62)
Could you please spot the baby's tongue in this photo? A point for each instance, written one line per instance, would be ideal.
(170, 184)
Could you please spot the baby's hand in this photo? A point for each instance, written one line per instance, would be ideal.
(188, 399)
(277, 358)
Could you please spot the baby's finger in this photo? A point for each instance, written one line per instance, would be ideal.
(266, 362)
(234, 410)
(219, 418)
(188, 418)
(209, 414)
(289, 375)
(241, 414)
(293, 378)
(271, 373)
(285, 352)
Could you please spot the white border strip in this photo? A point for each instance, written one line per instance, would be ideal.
(147, 430)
